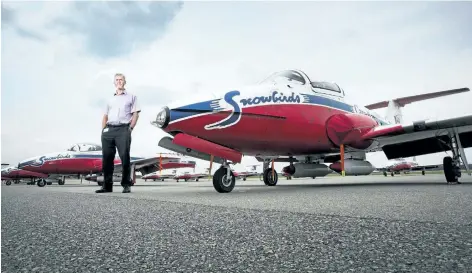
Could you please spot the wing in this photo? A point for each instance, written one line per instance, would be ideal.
(420, 138)
(426, 167)
(143, 165)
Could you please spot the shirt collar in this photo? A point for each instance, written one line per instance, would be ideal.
(124, 93)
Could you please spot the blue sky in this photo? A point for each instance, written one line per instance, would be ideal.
(58, 59)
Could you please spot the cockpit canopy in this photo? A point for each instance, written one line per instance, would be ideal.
(298, 77)
(84, 147)
(285, 76)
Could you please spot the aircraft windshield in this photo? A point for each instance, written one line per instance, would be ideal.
(326, 86)
(286, 76)
(84, 147)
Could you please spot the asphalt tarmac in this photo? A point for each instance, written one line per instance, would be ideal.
(351, 224)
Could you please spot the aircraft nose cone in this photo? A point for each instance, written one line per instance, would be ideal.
(162, 118)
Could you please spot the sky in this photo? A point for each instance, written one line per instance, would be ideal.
(59, 58)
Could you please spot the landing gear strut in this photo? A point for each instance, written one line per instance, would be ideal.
(452, 171)
(223, 179)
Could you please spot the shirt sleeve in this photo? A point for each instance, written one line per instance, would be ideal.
(135, 107)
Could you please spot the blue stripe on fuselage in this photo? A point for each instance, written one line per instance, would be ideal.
(324, 101)
(205, 106)
(191, 110)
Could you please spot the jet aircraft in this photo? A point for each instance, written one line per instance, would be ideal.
(403, 165)
(86, 158)
(15, 174)
(290, 118)
(156, 176)
(245, 174)
(186, 176)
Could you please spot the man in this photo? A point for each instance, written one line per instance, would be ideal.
(120, 117)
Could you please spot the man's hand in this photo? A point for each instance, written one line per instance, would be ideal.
(134, 120)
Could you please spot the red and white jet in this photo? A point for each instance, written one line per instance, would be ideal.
(15, 174)
(156, 176)
(186, 176)
(402, 165)
(84, 158)
(290, 118)
(244, 175)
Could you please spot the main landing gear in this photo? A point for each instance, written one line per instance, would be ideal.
(269, 176)
(451, 165)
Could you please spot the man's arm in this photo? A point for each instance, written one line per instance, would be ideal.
(134, 119)
(105, 116)
(104, 121)
(135, 109)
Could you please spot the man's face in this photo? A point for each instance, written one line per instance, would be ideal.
(119, 82)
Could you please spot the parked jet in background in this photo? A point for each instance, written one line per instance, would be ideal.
(290, 118)
(245, 174)
(186, 176)
(402, 165)
(85, 158)
(156, 176)
(15, 174)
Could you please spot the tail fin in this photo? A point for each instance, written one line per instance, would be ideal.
(394, 114)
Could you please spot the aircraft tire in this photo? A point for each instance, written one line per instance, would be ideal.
(449, 170)
(219, 181)
(268, 179)
(8, 183)
(41, 183)
(61, 182)
(423, 172)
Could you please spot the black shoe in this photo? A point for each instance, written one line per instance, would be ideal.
(126, 189)
(105, 188)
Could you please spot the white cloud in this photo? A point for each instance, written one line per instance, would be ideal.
(376, 51)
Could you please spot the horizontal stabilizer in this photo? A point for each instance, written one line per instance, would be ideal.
(167, 143)
(406, 100)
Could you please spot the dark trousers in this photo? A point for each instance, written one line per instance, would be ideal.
(116, 137)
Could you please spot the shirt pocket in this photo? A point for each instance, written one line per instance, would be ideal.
(128, 106)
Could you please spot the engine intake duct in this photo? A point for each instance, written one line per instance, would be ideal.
(348, 129)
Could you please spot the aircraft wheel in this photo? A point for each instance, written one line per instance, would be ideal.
(41, 183)
(8, 183)
(270, 180)
(385, 173)
(220, 181)
(244, 179)
(48, 183)
(61, 182)
(162, 179)
(423, 172)
(449, 170)
(392, 174)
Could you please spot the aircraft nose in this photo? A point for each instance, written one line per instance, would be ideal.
(162, 118)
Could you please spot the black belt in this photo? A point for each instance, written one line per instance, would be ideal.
(118, 125)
